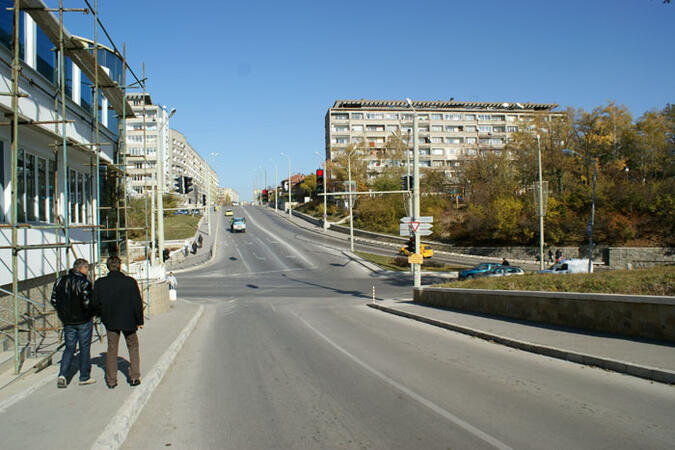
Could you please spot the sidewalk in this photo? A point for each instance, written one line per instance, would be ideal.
(640, 358)
(35, 414)
(204, 252)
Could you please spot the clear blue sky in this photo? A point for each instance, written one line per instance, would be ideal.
(251, 79)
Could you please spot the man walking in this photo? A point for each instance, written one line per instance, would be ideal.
(71, 296)
(119, 300)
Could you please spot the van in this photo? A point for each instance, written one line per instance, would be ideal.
(569, 266)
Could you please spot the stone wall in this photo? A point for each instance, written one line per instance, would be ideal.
(647, 317)
(622, 257)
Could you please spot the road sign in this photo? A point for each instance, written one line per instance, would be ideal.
(423, 219)
(414, 226)
(425, 233)
(425, 226)
(404, 229)
(415, 258)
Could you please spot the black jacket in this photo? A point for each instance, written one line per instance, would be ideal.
(118, 299)
(72, 298)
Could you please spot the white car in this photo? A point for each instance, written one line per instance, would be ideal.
(238, 225)
(569, 266)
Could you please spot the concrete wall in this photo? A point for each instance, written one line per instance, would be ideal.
(621, 257)
(159, 302)
(647, 317)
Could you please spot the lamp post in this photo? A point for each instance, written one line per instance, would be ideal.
(290, 185)
(417, 273)
(325, 197)
(541, 209)
(160, 191)
(591, 221)
(349, 199)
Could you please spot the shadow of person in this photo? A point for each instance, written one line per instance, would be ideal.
(122, 364)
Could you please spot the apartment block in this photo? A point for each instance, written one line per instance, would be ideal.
(185, 161)
(147, 143)
(449, 132)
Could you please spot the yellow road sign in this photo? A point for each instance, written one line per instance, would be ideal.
(415, 258)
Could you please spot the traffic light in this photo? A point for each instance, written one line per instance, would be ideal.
(187, 185)
(179, 185)
(265, 196)
(203, 199)
(407, 182)
(319, 181)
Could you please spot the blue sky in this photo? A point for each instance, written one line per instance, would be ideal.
(235, 68)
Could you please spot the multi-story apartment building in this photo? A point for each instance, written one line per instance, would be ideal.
(185, 161)
(227, 192)
(449, 132)
(147, 136)
(55, 186)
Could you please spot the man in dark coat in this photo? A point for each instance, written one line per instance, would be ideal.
(71, 296)
(118, 299)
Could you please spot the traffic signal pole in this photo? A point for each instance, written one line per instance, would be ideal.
(417, 272)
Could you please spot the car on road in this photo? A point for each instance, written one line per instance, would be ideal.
(229, 212)
(238, 225)
(425, 250)
(504, 271)
(477, 271)
(569, 266)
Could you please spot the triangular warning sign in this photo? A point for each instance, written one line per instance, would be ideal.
(414, 226)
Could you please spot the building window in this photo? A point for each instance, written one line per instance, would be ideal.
(483, 116)
(7, 25)
(471, 140)
(357, 116)
(42, 189)
(511, 118)
(72, 196)
(437, 117)
(374, 116)
(424, 117)
(45, 57)
(512, 129)
(375, 127)
(392, 128)
(469, 117)
(30, 188)
(340, 116)
(453, 140)
(452, 117)
(437, 151)
(391, 116)
(340, 128)
(499, 117)
(86, 94)
(406, 117)
(436, 140)
(485, 128)
(437, 128)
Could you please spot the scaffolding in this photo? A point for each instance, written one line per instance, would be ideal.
(30, 317)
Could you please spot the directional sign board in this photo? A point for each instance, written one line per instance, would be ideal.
(423, 219)
(404, 229)
(424, 232)
(415, 258)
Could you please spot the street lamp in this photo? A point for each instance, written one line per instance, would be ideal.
(289, 184)
(325, 197)
(591, 222)
(351, 214)
(541, 208)
(159, 167)
(417, 272)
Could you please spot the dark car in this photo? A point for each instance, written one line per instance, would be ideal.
(477, 271)
(503, 271)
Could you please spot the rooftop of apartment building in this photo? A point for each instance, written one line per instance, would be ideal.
(442, 105)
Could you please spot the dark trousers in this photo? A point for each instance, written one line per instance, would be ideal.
(72, 335)
(111, 357)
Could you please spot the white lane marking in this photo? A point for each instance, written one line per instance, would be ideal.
(241, 258)
(412, 394)
(261, 258)
(273, 253)
(284, 243)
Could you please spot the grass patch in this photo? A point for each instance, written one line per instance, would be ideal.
(651, 281)
(400, 263)
(180, 226)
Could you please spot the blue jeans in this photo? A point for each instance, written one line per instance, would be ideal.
(74, 334)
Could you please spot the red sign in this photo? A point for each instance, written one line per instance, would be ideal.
(414, 226)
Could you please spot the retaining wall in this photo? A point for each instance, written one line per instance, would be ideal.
(648, 317)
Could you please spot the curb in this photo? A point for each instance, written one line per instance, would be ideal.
(367, 264)
(115, 433)
(208, 261)
(628, 368)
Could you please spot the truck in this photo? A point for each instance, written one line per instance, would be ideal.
(569, 266)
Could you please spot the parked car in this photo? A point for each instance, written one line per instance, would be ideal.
(238, 225)
(478, 270)
(569, 266)
(229, 212)
(425, 250)
(504, 271)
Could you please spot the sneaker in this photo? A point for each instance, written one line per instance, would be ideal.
(89, 380)
(135, 382)
(61, 383)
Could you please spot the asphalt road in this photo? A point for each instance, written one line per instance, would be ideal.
(288, 356)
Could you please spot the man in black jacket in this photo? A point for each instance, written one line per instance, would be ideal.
(71, 296)
(118, 299)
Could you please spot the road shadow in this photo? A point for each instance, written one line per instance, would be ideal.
(122, 364)
(353, 293)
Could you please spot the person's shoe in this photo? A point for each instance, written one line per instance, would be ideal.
(61, 383)
(134, 382)
(111, 386)
(89, 380)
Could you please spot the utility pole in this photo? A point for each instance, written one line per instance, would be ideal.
(276, 184)
(541, 209)
(290, 185)
(162, 182)
(351, 216)
(417, 272)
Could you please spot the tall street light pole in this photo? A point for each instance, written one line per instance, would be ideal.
(290, 185)
(160, 191)
(417, 272)
(351, 215)
(325, 197)
(541, 208)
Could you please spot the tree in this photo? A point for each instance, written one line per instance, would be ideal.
(308, 185)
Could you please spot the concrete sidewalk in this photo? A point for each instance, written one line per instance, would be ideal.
(640, 358)
(35, 414)
(203, 253)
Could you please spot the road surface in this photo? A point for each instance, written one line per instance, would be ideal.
(288, 356)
